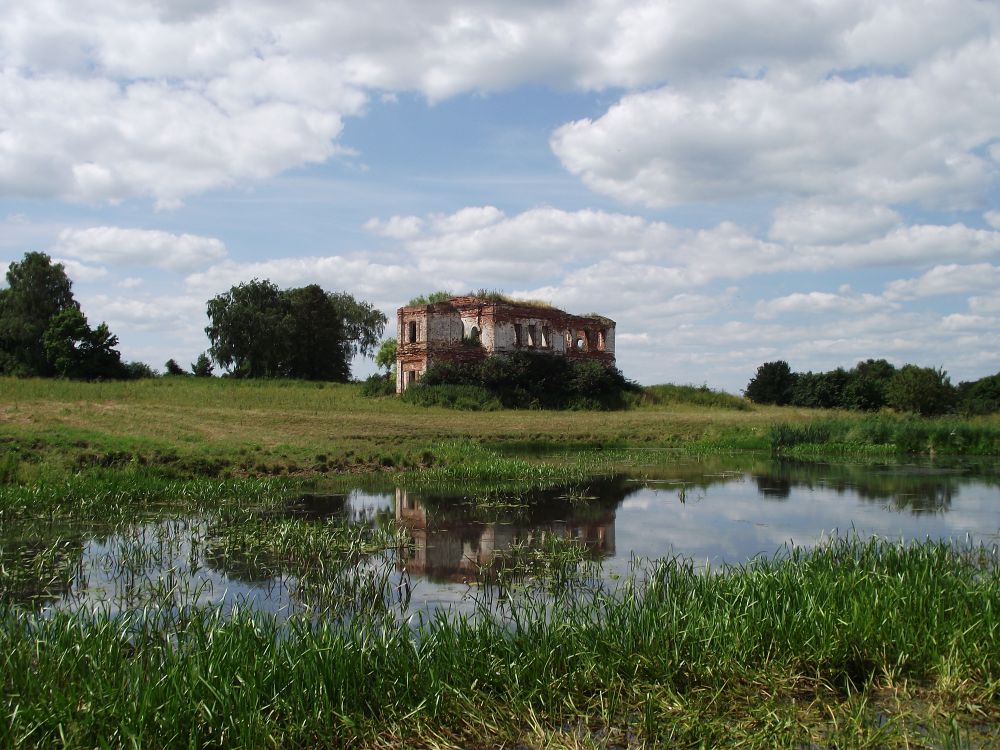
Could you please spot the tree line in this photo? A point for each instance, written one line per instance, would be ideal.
(872, 385)
(256, 330)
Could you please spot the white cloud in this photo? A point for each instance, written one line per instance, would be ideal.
(156, 313)
(81, 272)
(121, 247)
(396, 227)
(108, 100)
(946, 279)
(818, 223)
(815, 303)
(880, 138)
(914, 244)
(992, 218)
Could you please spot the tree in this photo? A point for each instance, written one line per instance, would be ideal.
(772, 384)
(386, 356)
(202, 367)
(139, 371)
(923, 390)
(173, 368)
(317, 342)
(38, 290)
(76, 351)
(867, 385)
(257, 330)
(247, 329)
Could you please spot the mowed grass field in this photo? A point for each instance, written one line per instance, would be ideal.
(278, 424)
(210, 427)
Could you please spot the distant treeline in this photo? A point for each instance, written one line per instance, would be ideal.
(256, 330)
(872, 385)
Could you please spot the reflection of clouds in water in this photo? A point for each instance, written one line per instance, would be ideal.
(734, 521)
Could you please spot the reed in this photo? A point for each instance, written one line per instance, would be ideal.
(886, 435)
(856, 643)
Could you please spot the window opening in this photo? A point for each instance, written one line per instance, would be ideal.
(532, 335)
(517, 334)
(412, 332)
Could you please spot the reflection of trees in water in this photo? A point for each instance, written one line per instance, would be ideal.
(455, 540)
(915, 489)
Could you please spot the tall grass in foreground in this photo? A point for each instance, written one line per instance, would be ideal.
(886, 436)
(851, 644)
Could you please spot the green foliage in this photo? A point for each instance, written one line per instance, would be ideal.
(259, 331)
(786, 651)
(430, 299)
(538, 381)
(773, 384)
(79, 352)
(173, 368)
(38, 291)
(452, 396)
(668, 393)
(139, 371)
(202, 367)
(884, 435)
(921, 390)
(980, 396)
(386, 357)
(379, 384)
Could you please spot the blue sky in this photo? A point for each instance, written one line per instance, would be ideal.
(733, 182)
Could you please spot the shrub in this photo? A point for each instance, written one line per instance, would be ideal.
(538, 381)
(379, 384)
(463, 397)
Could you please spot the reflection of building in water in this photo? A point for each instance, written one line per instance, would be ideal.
(456, 548)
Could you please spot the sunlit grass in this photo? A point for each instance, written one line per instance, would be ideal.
(850, 644)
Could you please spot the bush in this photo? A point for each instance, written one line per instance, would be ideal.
(378, 385)
(538, 381)
(463, 397)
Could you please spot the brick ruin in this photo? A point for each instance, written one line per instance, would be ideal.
(468, 328)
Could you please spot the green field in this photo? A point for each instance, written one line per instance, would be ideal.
(212, 427)
(853, 644)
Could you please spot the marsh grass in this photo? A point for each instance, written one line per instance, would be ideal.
(851, 644)
(884, 436)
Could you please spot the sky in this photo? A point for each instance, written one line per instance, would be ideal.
(733, 182)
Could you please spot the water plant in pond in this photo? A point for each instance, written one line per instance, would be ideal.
(849, 644)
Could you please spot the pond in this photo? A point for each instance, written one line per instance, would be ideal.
(421, 550)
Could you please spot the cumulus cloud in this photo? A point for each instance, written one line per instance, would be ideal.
(122, 247)
(946, 279)
(105, 101)
(992, 218)
(813, 303)
(881, 138)
(818, 223)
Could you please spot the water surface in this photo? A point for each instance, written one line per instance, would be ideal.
(715, 511)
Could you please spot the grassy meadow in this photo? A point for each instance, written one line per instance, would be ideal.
(216, 427)
(853, 644)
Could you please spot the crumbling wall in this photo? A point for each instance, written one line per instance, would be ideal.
(468, 328)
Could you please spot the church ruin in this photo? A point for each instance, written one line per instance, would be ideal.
(468, 328)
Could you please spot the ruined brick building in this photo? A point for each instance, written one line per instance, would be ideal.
(467, 328)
